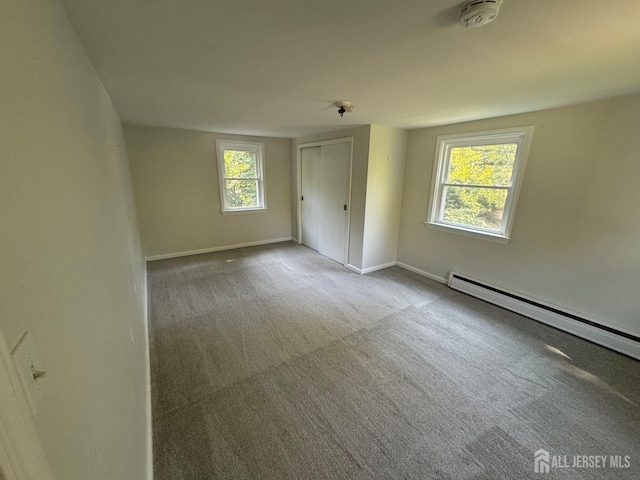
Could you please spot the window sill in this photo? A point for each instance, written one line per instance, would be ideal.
(244, 211)
(492, 237)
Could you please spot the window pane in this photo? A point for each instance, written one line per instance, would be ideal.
(477, 207)
(242, 193)
(239, 164)
(482, 165)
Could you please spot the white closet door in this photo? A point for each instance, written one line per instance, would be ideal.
(335, 188)
(311, 196)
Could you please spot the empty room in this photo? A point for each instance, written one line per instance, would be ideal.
(319, 240)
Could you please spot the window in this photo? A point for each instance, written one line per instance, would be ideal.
(475, 182)
(241, 173)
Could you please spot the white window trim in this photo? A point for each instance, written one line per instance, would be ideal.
(258, 148)
(444, 143)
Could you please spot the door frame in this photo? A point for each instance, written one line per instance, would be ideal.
(21, 454)
(320, 143)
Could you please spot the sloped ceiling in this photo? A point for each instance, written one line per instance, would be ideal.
(275, 67)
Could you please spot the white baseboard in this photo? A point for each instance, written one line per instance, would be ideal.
(363, 271)
(421, 272)
(377, 267)
(216, 249)
(382, 266)
(355, 269)
(581, 325)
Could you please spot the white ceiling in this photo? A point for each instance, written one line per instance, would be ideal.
(275, 67)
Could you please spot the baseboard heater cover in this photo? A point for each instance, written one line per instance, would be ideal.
(596, 332)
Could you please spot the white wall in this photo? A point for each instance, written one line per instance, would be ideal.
(70, 249)
(175, 180)
(385, 177)
(576, 235)
(360, 160)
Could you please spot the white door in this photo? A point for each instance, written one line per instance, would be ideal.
(324, 203)
(311, 194)
(335, 188)
(21, 454)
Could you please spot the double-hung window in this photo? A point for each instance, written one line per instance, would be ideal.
(241, 174)
(475, 182)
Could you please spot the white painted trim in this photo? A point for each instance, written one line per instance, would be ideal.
(349, 203)
(21, 454)
(492, 237)
(421, 272)
(353, 268)
(589, 332)
(377, 267)
(320, 143)
(522, 136)
(334, 141)
(244, 211)
(148, 412)
(363, 271)
(298, 190)
(216, 249)
(223, 144)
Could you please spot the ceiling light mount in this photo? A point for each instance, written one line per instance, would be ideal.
(477, 13)
(344, 107)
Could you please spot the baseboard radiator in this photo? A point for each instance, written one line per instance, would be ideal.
(576, 324)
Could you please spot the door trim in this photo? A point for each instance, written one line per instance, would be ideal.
(333, 141)
(21, 454)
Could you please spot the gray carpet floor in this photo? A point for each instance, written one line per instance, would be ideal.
(275, 362)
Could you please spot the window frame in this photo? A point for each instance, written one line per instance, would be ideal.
(258, 149)
(521, 136)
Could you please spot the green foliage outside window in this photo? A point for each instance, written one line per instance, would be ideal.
(241, 178)
(477, 166)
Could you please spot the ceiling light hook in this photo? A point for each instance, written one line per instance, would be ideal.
(344, 107)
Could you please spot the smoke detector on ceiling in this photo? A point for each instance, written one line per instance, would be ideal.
(479, 12)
